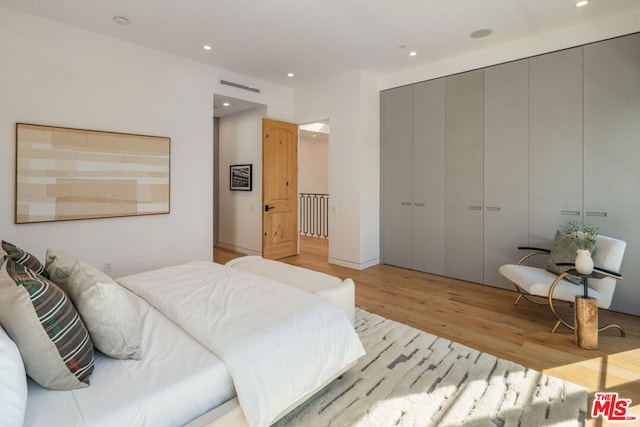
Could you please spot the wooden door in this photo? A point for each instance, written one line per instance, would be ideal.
(279, 189)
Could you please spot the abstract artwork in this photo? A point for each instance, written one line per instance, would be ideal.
(67, 174)
(240, 177)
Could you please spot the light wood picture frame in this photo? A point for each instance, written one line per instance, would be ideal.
(69, 174)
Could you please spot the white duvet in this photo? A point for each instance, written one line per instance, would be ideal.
(278, 342)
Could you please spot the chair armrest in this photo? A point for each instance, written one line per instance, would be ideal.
(537, 251)
(531, 248)
(566, 264)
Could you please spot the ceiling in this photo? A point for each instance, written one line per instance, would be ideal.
(224, 106)
(312, 39)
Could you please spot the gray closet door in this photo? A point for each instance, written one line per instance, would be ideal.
(555, 179)
(506, 167)
(612, 152)
(428, 176)
(396, 136)
(464, 176)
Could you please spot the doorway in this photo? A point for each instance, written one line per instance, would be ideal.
(237, 131)
(237, 140)
(313, 166)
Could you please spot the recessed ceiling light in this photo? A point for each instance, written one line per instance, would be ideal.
(121, 20)
(290, 74)
(481, 33)
(581, 3)
(225, 104)
(206, 47)
(413, 53)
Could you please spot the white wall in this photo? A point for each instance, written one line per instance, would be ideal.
(58, 75)
(240, 221)
(350, 101)
(313, 164)
(370, 154)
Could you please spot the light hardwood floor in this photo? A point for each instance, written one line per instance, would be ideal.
(485, 318)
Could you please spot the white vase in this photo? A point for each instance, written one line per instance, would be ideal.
(584, 262)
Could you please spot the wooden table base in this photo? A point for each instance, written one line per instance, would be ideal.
(586, 322)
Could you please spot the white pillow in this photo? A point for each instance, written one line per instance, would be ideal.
(13, 383)
(104, 306)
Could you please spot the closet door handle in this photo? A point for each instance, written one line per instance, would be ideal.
(475, 208)
(405, 203)
(419, 205)
(600, 214)
(572, 213)
(493, 208)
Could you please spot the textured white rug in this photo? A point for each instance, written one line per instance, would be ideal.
(411, 378)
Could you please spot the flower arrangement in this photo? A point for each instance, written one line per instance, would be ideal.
(589, 232)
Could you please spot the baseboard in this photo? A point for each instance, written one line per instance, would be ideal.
(354, 265)
(238, 249)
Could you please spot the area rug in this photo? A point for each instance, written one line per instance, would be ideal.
(412, 378)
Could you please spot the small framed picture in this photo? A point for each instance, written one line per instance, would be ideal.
(240, 177)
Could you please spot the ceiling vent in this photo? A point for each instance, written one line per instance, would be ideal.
(238, 85)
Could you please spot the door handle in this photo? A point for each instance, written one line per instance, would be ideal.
(267, 207)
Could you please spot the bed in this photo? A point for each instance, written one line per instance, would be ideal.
(333, 289)
(217, 342)
(175, 380)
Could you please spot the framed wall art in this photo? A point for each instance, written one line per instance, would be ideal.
(240, 177)
(68, 174)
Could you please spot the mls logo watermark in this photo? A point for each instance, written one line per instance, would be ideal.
(611, 407)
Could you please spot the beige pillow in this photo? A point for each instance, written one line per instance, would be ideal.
(104, 306)
(58, 266)
(54, 344)
(563, 249)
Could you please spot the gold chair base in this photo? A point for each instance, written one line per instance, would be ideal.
(559, 320)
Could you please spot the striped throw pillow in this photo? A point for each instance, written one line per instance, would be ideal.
(39, 317)
(24, 258)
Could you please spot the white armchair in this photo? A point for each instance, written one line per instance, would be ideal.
(533, 283)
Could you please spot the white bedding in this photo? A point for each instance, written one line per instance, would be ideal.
(175, 381)
(277, 341)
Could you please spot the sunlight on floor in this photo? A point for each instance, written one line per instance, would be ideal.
(621, 371)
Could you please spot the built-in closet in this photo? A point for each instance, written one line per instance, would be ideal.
(475, 164)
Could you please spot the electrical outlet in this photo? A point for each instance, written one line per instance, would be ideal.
(107, 266)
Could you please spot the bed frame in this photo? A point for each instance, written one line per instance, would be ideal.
(230, 414)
